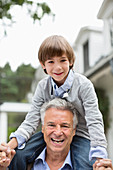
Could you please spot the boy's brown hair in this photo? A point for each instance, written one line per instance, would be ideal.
(55, 46)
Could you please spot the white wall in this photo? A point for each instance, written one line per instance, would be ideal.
(78, 66)
(110, 130)
(3, 127)
(106, 35)
(96, 48)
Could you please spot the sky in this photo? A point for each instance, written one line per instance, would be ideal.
(24, 37)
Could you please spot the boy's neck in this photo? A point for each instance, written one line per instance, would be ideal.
(60, 83)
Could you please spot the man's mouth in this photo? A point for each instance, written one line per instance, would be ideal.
(57, 140)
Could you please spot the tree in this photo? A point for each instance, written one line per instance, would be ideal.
(8, 88)
(25, 76)
(103, 101)
(14, 86)
(33, 9)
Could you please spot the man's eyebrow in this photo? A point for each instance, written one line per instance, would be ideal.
(49, 122)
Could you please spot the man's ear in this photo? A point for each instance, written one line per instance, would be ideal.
(74, 131)
(43, 66)
(42, 129)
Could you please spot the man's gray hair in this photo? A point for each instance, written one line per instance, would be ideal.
(61, 104)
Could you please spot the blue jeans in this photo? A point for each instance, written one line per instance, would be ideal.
(80, 153)
(80, 147)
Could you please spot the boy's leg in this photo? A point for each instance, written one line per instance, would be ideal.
(80, 147)
(32, 149)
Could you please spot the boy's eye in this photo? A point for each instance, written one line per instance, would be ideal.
(64, 126)
(50, 62)
(63, 60)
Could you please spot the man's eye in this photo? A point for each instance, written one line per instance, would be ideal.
(51, 125)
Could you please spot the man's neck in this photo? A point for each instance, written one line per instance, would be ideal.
(55, 160)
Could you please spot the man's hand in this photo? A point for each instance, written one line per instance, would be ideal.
(6, 155)
(103, 164)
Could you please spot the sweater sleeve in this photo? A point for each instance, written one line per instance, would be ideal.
(97, 152)
(32, 119)
(93, 116)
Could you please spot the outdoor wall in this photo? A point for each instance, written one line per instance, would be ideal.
(110, 130)
(96, 47)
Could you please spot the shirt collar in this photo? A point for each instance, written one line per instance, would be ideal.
(43, 154)
(65, 87)
(68, 160)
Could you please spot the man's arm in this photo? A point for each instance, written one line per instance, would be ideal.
(6, 156)
(103, 164)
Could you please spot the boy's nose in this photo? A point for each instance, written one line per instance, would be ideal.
(57, 66)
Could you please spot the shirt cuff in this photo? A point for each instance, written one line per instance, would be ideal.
(20, 139)
(97, 152)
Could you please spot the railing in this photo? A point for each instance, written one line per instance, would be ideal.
(6, 108)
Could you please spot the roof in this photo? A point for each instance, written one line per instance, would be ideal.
(87, 29)
(101, 64)
(106, 9)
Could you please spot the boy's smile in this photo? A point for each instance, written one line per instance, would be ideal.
(58, 68)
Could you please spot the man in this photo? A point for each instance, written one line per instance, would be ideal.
(59, 122)
(103, 164)
(58, 127)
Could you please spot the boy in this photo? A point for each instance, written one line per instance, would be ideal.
(57, 58)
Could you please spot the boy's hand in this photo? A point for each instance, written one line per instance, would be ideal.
(103, 164)
(6, 155)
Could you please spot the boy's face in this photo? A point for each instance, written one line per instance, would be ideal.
(57, 67)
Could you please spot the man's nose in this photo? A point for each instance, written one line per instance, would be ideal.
(58, 130)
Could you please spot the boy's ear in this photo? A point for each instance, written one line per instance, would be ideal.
(42, 65)
(70, 64)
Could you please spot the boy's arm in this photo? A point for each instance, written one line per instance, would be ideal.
(105, 163)
(32, 120)
(6, 155)
(94, 120)
(97, 152)
(13, 143)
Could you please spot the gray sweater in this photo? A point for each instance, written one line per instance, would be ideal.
(83, 96)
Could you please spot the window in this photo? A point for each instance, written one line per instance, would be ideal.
(111, 30)
(86, 56)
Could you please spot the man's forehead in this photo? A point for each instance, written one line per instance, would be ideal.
(59, 122)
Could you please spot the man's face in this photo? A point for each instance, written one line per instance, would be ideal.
(58, 130)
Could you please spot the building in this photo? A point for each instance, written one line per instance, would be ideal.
(94, 50)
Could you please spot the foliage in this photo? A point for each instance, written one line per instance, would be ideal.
(14, 86)
(10, 130)
(35, 10)
(6, 5)
(14, 120)
(104, 106)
